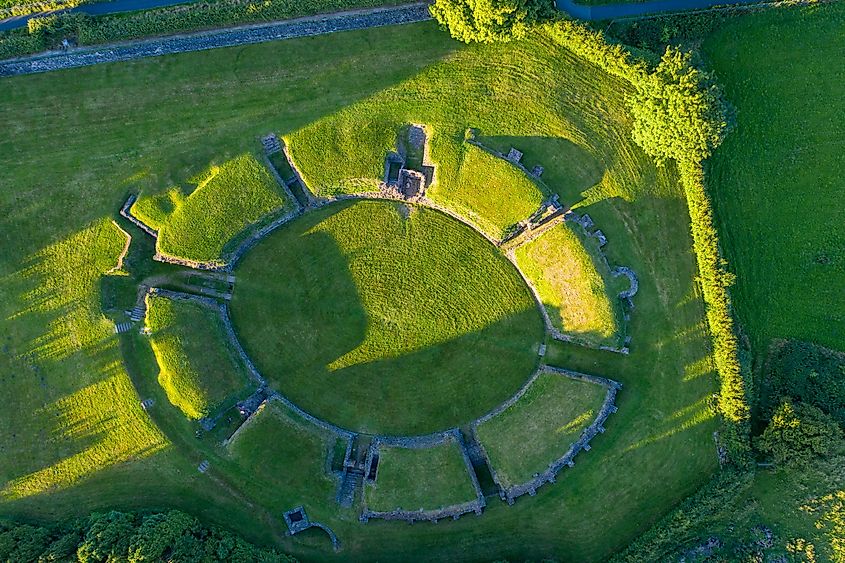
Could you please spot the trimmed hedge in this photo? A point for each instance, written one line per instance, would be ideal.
(87, 30)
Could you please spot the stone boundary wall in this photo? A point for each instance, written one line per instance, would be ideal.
(567, 459)
(319, 422)
(126, 213)
(248, 422)
(454, 511)
(245, 35)
(275, 173)
(235, 256)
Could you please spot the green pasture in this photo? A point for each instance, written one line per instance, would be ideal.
(220, 203)
(427, 478)
(539, 427)
(150, 124)
(575, 284)
(197, 370)
(777, 179)
(282, 459)
(386, 318)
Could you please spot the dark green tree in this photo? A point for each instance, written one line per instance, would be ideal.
(107, 537)
(799, 433)
(488, 21)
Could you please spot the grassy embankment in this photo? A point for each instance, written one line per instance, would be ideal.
(224, 202)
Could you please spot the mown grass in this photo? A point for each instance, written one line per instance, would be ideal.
(386, 323)
(152, 123)
(540, 427)
(226, 199)
(777, 179)
(197, 369)
(283, 458)
(574, 284)
(410, 479)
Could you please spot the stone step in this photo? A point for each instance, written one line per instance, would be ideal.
(349, 486)
(120, 328)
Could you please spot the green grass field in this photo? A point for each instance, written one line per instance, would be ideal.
(282, 458)
(540, 427)
(198, 373)
(357, 314)
(777, 178)
(223, 201)
(410, 479)
(149, 124)
(575, 284)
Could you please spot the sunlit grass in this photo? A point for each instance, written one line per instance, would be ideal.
(575, 285)
(226, 199)
(108, 426)
(540, 426)
(197, 369)
(410, 479)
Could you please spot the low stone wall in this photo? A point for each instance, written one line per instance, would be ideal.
(242, 35)
(126, 213)
(454, 511)
(235, 256)
(245, 424)
(530, 487)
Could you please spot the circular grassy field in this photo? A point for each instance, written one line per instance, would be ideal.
(385, 318)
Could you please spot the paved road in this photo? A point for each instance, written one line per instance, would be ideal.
(604, 12)
(244, 35)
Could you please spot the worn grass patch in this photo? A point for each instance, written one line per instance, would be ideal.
(410, 479)
(225, 201)
(384, 323)
(197, 370)
(540, 426)
(574, 283)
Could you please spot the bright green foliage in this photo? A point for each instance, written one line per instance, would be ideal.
(574, 283)
(486, 21)
(118, 536)
(798, 433)
(489, 191)
(357, 313)
(715, 281)
(540, 426)
(107, 537)
(678, 111)
(283, 458)
(410, 479)
(197, 368)
(226, 201)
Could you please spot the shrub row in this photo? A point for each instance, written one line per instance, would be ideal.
(87, 30)
(713, 277)
(25, 8)
(120, 536)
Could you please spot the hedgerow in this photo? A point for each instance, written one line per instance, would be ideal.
(713, 276)
(87, 30)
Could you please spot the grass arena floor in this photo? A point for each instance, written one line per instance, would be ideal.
(153, 123)
(386, 324)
